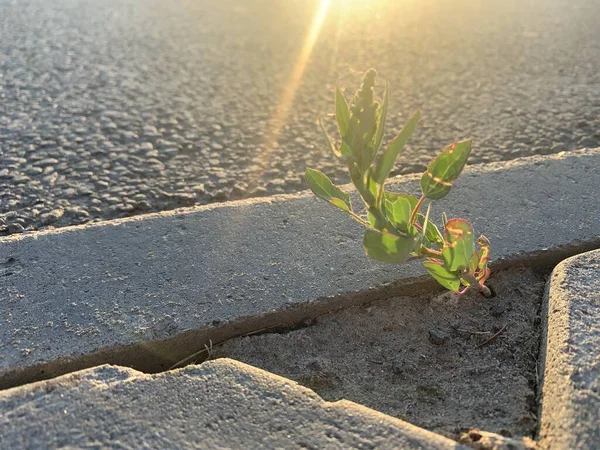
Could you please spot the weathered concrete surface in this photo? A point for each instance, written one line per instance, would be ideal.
(570, 366)
(220, 404)
(484, 440)
(69, 298)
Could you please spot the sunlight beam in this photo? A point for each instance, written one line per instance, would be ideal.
(295, 77)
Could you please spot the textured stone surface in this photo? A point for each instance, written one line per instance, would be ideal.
(120, 107)
(220, 404)
(141, 281)
(570, 393)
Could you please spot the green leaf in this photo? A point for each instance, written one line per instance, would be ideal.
(432, 232)
(324, 188)
(345, 149)
(474, 262)
(442, 275)
(371, 188)
(444, 170)
(398, 210)
(355, 175)
(458, 246)
(395, 208)
(375, 219)
(381, 121)
(392, 196)
(342, 114)
(364, 184)
(386, 161)
(387, 247)
(332, 146)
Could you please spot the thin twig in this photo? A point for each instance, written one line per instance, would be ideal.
(209, 349)
(188, 358)
(259, 331)
(492, 338)
(375, 362)
(473, 332)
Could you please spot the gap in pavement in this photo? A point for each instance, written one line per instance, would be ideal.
(162, 355)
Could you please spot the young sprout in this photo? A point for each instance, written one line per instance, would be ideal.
(396, 228)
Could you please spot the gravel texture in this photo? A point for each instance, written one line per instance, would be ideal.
(121, 107)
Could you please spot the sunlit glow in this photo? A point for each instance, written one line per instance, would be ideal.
(295, 77)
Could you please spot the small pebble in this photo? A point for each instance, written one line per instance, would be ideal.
(438, 336)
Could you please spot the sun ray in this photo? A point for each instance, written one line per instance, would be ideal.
(289, 92)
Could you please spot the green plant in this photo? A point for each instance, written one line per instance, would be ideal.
(396, 228)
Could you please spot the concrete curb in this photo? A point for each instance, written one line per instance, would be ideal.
(220, 404)
(148, 291)
(570, 365)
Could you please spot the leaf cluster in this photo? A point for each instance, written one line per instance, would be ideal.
(396, 228)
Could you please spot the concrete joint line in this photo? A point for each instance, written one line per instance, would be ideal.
(570, 363)
(146, 292)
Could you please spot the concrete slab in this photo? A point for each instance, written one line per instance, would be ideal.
(570, 368)
(219, 404)
(148, 291)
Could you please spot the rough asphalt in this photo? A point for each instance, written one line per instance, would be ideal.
(121, 107)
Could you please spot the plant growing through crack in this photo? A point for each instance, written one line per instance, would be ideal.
(396, 228)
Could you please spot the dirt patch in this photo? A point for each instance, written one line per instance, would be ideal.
(442, 362)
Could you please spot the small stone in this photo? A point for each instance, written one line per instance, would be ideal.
(128, 136)
(183, 198)
(30, 170)
(437, 336)
(70, 193)
(76, 212)
(11, 162)
(125, 208)
(51, 217)
(220, 195)
(587, 142)
(151, 131)
(496, 310)
(143, 206)
(15, 228)
(155, 164)
(139, 197)
(46, 162)
(20, 179)
(397, 367)
(146, 147)
(169, 152)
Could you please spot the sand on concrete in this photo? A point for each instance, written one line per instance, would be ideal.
(421, 359)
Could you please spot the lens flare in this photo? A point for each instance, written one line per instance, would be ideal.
(295, 77)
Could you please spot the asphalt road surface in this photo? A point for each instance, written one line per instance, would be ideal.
(119, 107)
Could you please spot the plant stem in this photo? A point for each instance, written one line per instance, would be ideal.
(430, 252)
(473, 282)
(359, 219)
(413, 215)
